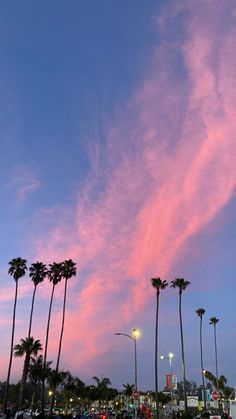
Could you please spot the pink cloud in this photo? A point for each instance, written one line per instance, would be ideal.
(23, 184)
(170, 170)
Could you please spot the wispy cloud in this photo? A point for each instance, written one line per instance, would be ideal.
(170, 170)
(23, 184)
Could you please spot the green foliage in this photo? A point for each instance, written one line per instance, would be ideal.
(129, 388)
(186, 415)
(205, 415)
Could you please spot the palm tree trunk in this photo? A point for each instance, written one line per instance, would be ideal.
(23, 379)
(45, 351)
(156, 356)
(31, 312)
(60, 344)
(203, 377)
(33, 399)
(11, 349)
(216, 357)
(62, 327)
(182, 350)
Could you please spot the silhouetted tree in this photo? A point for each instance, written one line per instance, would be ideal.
(55, 276)
(214, 321)
(37, 273)
(17, 270)
(200, 312)
(159, 285)
(28, 347)
(181, 285)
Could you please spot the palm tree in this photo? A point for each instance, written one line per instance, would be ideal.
(28, 347)
(72, 387)
(102, 387)
(17, 270)
(210, 377)
(129, 388)
(200, 312)
(55, 276)
(159, 285)
(37, 272)
(214, 321)
(36, 375)
(181, 285)
(68, 270)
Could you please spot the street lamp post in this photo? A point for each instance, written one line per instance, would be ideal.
(50, 393)
(170, 357)
(133, 337)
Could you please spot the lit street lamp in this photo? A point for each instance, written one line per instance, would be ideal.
(133, 337)
(50, 393)
(170, 357)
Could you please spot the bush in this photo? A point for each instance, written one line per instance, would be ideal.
(205, 415)
(186, 415)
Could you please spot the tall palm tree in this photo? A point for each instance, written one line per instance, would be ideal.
(17, 270)
(55, 276)
(28, 347)
(68, 270)
(181, 284)
(37, 272)
(200, 312)
(159, 285)
(214, 321)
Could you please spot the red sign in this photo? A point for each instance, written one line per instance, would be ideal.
(169, 381)
(215, 395)
(135, 394)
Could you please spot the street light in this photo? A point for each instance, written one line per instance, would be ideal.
(170, 357)
(133, 337)
(50, 393)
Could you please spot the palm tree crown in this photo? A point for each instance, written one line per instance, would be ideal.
(68, 269)
(180, 283)
(37, 272)
(17, 268)
(213, 320)
(55, 272)
(200, 312)
(159, 284)
(27, 346)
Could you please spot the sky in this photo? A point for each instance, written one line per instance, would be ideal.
(117, 149)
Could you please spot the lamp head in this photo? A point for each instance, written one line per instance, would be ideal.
(171, 355)
(135, 332)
